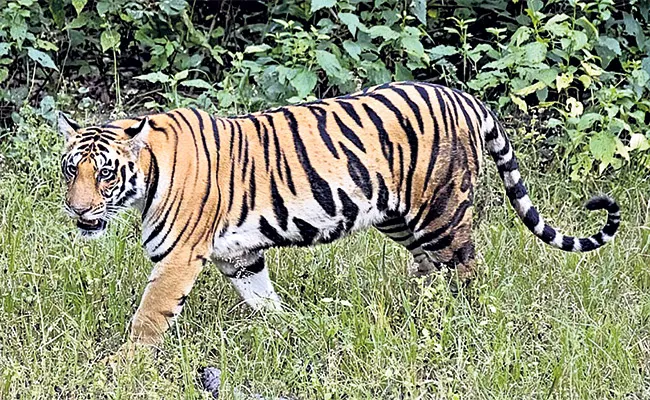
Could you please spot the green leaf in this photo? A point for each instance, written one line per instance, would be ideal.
(329, 63)
(639, 142)
(57, 8)
(4, 49)
(402, 73)
(611, 44)
(197, 83)
(154, 77)
(603, 146)
(305, 81)
(588, 120)
(413, 45)
(547, 76)
(179, 76)
(579, 40)
(530, 89)
(109, 40)
(257, 48)
(351, 21)
(441, 51)
(535, 53)
(519, 102)
(353, 49)
(18, 31)
(79, 22)
(419, 9)
(563, 81)
(318, 4)
(42, 58)
(79, 5)
(520, 36)
(4, 74)
(173, 7)
(103, 7)
(383, 31)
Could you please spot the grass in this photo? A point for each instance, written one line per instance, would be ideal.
(537, 322)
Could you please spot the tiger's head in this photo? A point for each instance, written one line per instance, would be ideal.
(101, 170)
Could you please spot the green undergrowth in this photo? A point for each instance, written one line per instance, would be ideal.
(536, 323)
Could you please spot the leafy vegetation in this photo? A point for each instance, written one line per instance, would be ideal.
(577, 71)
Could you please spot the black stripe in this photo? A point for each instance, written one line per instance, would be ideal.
(244, 211)
(271, 233)
(307, 231)
(455, 220)
(349, 109)
(350, 209)
(215, 132)
(414, 107)
(384, 138)
(439, 244)
(279, 209)
(319, 187)
(231, 187)
(531, 219)
(440, 201)
(207, 181)
(152, 182)
(382, 195)
(586, 245)
(265, 145)
(321, 123)
(287, 170)
(358, 172)
(348, 133)
(252, 191)
(472, 131)
(516, 192)
(548, 234)
(276, 144)
(166, 206)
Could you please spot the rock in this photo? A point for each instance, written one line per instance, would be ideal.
(211, 380)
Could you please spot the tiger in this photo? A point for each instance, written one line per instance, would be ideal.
(401, 157)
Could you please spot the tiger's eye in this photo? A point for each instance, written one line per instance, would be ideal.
(106, 174)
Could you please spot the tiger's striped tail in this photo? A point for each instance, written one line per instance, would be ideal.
(501, 151)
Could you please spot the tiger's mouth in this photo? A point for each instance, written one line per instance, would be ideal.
(91, 228)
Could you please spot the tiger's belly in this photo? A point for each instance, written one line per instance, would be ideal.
(304, 224)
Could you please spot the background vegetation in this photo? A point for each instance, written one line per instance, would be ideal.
(571, 79)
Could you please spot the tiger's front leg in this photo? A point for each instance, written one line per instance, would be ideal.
(250, 278)
(169, 285)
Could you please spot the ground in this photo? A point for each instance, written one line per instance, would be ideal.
(536, 323)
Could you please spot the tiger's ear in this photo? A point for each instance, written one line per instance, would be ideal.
(67, 126)
(138, 133)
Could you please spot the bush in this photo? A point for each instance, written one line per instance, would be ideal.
(579, 71)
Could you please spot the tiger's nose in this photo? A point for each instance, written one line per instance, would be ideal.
(80, 209)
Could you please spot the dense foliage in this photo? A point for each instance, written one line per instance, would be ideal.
(576, 73)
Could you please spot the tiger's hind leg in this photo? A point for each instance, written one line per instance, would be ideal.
(396, 230)
(447, 240)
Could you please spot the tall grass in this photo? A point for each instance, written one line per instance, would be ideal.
(536, 323)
